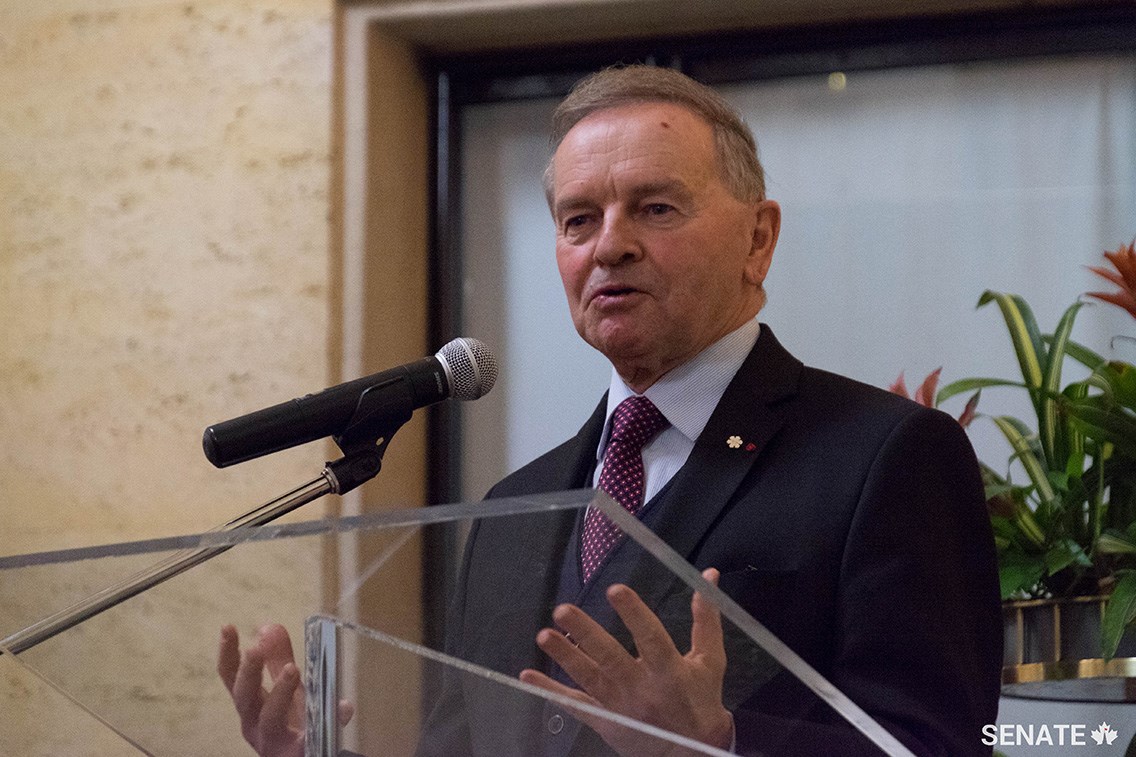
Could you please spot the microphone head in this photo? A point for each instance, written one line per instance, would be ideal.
(470, 368)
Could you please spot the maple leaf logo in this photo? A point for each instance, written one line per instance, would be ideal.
(1104, 732)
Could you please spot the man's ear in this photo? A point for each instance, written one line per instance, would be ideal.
(767, 225)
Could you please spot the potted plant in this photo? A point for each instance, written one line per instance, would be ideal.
(1063, 509)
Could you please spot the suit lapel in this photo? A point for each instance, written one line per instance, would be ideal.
(572, 462)
(751, 411)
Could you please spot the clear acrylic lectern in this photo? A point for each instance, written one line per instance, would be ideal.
(355, 596)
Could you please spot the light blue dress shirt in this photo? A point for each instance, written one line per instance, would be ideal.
(686, 396)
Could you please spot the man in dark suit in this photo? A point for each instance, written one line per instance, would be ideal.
(848, 521)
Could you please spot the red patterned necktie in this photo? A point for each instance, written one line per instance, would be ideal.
(635, 422)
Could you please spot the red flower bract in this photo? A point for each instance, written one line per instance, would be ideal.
(925, 395)
(1124, 261)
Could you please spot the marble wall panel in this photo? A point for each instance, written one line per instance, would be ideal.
(164, 173)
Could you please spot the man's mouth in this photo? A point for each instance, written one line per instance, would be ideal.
(612, 294)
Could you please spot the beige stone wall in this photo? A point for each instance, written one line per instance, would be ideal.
(164, 264)
(163, 257)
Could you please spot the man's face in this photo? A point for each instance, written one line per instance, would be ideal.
(658, 259)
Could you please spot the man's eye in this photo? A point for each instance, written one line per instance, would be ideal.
(659, 209)
(575, 221)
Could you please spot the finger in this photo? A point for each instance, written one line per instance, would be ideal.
(248, 694)
(228, 656)
(536, 678)
(276, 646)
(706, 629)
(594, 640)
(581, 668)
(277, 706)
(652, 640)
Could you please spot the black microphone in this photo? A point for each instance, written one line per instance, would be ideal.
(464, 369)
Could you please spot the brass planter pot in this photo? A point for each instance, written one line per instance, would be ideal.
(1052, 651)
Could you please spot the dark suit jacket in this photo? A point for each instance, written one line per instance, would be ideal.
(854, 528)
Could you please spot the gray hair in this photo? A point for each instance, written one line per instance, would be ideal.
(735, 148)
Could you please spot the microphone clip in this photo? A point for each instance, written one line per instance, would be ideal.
(364, 441)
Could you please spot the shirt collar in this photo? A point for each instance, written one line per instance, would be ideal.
(688, 394)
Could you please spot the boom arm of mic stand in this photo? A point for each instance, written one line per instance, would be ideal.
(338, 477)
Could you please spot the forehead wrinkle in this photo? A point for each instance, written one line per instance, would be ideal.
(665, 186)
(634, 175)
(615, 153)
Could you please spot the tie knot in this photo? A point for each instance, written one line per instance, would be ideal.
(636, 420)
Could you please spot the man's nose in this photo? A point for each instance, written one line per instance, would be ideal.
(618, 242)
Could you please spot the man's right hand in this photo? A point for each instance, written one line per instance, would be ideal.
(272, 721)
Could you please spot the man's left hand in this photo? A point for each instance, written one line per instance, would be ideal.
(676, 692)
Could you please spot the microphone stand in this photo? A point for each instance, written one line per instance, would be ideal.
(363, 443)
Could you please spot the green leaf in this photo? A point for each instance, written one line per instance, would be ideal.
(1063, 554)
(1027, 525)
(1023, 333)
(1003, 526)
(966, 385)
(1080, 353)
(1104, 424)
(994, 490)
(1122, 379)
(1101, 381)
(1059, 480)
(1074, 437)
(1026, 432)
(1114, 542)
(1018, 572)
(1118, 613)
(1008, 533)
(1011, 428)
(1051, 440)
